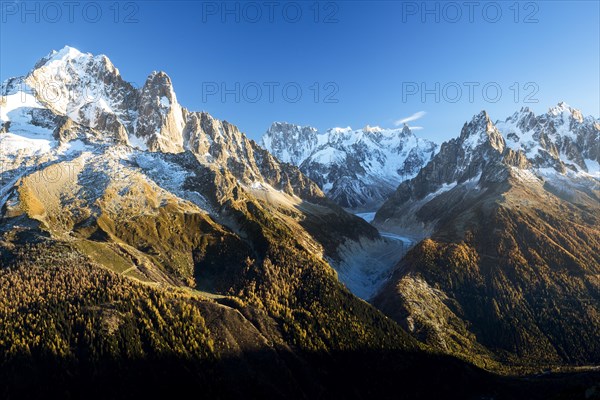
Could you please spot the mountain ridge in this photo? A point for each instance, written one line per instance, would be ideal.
(357, 169)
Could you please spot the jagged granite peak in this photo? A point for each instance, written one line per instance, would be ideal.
(481, 131)
(487, 154)
(405, 130)
(563, 109)
(524, 118)
(160, 118)
(560, 139)
(220, 143)
(357, 169)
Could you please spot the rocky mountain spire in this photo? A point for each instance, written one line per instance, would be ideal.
(160, 118)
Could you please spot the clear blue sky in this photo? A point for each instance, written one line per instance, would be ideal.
(374, 54)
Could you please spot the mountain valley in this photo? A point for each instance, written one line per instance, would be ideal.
(148, 248)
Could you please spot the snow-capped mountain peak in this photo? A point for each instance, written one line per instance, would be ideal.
(372, 129)
(479, 123)
(66, 53)
(69, 60)
(62, 55)
(406, 131)
(560, 139)
(559, 108)
(565, 112)
(355, 168)
(291, 143)
(481, 130)
(520, 115)
(86, 89)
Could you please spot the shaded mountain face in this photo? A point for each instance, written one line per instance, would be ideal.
(509, 267)
(358, 169)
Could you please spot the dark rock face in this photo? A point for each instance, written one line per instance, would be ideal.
(110, 123)
(221, 143)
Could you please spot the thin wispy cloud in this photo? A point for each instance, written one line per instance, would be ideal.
(416, 128)
(414, 117)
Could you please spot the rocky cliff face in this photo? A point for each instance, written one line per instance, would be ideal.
(291, 143)
(560, 139)
(160, 118)
(357, 169)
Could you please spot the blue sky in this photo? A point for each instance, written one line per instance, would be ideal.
(355, 62)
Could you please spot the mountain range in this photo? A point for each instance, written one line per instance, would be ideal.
(357, 169)
(149, 249)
